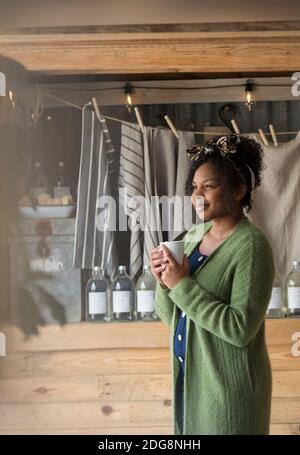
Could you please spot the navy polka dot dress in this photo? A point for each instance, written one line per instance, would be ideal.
(195, 260)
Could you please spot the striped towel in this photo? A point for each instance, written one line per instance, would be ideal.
(94, 245)
(153, 232)
(136, 181)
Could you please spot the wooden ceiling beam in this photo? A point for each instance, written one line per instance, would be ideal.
(257, 50)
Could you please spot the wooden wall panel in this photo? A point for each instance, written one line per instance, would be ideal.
(98, 379)
(84, 336)
(85, 415)
(91, 362)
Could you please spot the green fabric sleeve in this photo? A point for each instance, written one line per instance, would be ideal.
(237, 321)
(163, 305)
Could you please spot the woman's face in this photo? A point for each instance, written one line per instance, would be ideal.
(208, 184)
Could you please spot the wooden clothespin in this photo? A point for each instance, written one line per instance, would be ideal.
(235, 127)
(263, 137)
(96, 107)
(273, 134)
(139, 118)
(171, 125)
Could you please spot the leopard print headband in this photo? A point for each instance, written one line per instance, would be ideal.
(226, 145)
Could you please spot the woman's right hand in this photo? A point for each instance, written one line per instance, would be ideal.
(157, 264)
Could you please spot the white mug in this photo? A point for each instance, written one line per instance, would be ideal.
(176, 248)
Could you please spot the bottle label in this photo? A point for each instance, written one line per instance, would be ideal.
(275, 302)
(97, 302)
(121, 301)
(294, 297)
(145, 301)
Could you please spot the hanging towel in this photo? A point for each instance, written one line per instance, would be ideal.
(131, 184)
(276, 203)
(153, 232)
(94, 240)
(164, 156)
(170, 167)
(137, 185)
(183, 206)
(153, 163)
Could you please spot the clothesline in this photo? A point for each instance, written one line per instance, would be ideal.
(114, 119)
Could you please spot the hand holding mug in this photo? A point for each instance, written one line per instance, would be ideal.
(158, 264)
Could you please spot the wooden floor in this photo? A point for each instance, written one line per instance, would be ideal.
(114, 378)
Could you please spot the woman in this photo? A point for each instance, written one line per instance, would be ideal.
(215, 303)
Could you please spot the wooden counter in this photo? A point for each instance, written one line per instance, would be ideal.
(114, 378)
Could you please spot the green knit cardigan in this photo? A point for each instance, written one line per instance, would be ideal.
(227, 378)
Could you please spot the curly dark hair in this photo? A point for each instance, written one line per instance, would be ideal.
(231, 167)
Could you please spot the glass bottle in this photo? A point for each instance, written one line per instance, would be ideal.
(122, 296)
(293, 290)
(276, 307)
(144, 299)
(97, 297)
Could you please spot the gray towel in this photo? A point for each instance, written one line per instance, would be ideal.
(183, 205)
(170, 167)
(94, 244)
(276, 203)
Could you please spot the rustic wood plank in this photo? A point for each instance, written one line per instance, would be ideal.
(285, 410)
(104, 388)
(286, 384)
(283, 337)
(88, 362)
(163, 430)
(122, 387)
(285, 429)
(89, 336)
(85, 415)
(110, 361)
(280, 331)
(155, 28)
(157, 52)
(39, 416)
(282, 358)
(133, 335)
(275, 429)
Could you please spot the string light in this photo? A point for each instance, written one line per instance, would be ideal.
(128, 91)
(248, 90)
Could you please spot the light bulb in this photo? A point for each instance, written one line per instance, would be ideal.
(129, 100)
(249, 102)
(128, 90)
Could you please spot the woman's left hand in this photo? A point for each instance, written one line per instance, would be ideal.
(173, 271)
